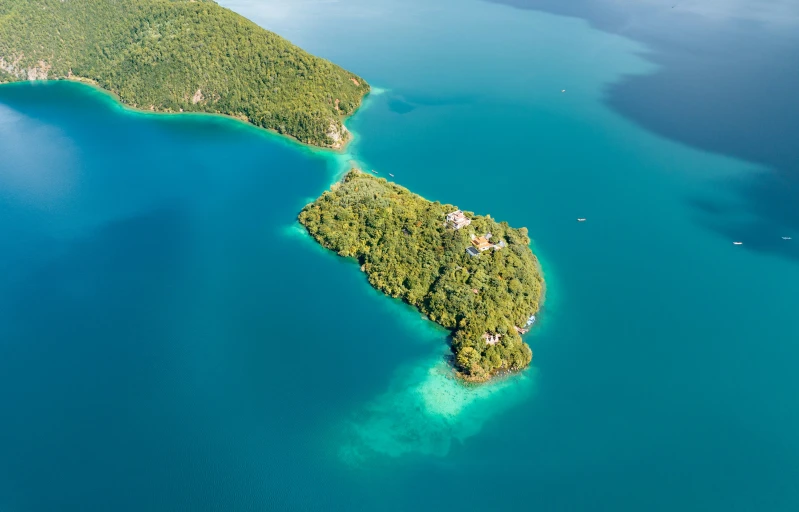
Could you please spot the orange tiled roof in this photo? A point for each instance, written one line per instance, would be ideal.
(481, 242)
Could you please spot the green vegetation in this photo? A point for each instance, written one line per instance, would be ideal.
(180, 55)
(408, 252)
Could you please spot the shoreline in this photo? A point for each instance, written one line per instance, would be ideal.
(95, 86)
(489, 376)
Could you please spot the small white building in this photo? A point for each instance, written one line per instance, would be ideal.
(457, 219)
(492, 339)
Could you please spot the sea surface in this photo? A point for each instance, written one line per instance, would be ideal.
(171, 340)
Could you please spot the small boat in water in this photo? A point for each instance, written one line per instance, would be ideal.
(581, 219)
(374, 171)
(786, 238)
(737, 243)
(391, 175)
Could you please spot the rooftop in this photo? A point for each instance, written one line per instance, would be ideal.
(482, 243)
(458, 219)
(492, 339)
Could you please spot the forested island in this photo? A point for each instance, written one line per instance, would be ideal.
(469, 273)
(180, 56)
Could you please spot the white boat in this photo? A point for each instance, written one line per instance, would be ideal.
(374, 171)
(786, 238)
(391, 175)
(563, 90)
(737, 243)
(581, 219)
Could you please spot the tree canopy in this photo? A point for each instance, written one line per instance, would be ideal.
(180, 55)
(409, 252)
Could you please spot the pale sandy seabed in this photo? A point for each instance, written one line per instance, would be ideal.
(426, 410)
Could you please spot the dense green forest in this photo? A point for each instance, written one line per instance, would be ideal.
(409, 252)
(180, 55)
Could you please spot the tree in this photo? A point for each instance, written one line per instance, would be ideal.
(468, 357)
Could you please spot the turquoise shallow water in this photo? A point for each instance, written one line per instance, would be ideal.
(170, 340)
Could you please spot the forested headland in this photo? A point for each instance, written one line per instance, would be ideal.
(410, 252)
(180, 56)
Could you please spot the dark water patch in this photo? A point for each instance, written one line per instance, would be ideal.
(430, 100)
(400, 106)
(726, 83)
(763, 222)
(408, 103)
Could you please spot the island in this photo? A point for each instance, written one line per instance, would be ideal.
(469, 273)
(180, 56)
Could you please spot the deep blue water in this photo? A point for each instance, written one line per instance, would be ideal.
(169, 340)
(722, 85)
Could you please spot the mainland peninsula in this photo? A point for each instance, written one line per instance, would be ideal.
(469, 273)
(180, 56)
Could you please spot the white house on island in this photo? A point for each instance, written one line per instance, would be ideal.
(457, 219)
(492, 339)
